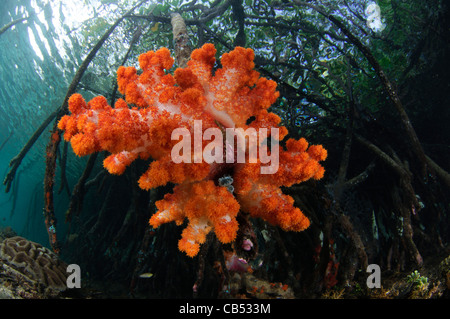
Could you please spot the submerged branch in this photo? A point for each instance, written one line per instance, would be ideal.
(76, 200)
(360, 177)
(9, 25)
(180, 40)
(17, 160)
(6, 140)
(63, 164)
(440, 172)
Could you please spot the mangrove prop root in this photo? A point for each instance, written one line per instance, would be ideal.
(49, 213)
(12, 23)
(76, 201)
(17, 160)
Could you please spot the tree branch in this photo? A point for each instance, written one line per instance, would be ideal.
(17, 160)
(9, 25)
(239, 17)
(180, 40)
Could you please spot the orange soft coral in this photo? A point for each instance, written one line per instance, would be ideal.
(260, 194)
(206, 206)
(156, 103)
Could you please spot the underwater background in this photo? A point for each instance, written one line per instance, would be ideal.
(34, 78)
(377, 203)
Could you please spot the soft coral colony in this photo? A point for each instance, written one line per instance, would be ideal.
(161, 102)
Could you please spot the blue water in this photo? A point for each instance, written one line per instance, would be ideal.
(36, 67)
